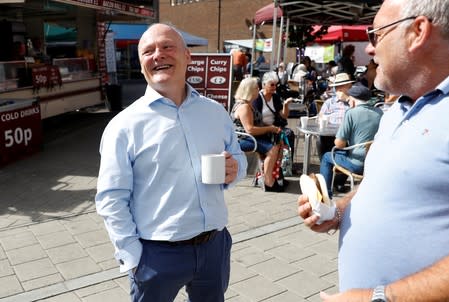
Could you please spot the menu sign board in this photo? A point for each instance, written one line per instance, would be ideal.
(45, 76)
(20, 131)
(210, 75)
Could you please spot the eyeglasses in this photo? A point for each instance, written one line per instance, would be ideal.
(271, 84)
(373, 37)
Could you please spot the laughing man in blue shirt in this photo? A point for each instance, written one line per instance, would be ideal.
(167, 227)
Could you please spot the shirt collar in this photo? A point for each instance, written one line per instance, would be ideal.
(335, 99)
(444, 86)
(407, 103)
(152, 95)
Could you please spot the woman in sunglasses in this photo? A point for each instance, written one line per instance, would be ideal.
(248, 120)
(269, 104)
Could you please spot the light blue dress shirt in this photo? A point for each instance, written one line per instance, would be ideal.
(398, 221)
(149, 184)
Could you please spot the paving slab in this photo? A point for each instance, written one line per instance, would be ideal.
(35, 269)
(26, 254)
(54, 247)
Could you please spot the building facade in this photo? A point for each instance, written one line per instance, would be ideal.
(215, 20)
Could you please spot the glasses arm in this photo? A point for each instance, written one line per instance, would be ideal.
(373, 30)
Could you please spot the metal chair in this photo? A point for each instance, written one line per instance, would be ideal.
(353, 177)
(259, 170)
(239, 134)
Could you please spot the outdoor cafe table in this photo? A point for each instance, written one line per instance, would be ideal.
(313, 129)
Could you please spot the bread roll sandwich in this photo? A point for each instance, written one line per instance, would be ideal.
(314, 186)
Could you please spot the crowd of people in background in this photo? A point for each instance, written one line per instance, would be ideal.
(304, 81)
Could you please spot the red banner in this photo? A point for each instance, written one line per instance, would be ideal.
(122, 7)
(210, 75)
(20, 132)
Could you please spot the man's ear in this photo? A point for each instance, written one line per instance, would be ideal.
(420, 32)
(188, 56)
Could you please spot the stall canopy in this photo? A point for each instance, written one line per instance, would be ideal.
(265, 14)
(330, 12)
(135, 31)
(344, 33)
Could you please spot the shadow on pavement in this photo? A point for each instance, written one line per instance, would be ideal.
(61, 179)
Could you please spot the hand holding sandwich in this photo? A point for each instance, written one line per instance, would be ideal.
(315, 199)
(310, 219)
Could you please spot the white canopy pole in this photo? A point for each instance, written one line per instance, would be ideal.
(273, 37)
(287, 25)
(253, 49)
(281, 27)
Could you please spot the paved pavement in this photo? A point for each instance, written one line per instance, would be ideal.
(53, 245)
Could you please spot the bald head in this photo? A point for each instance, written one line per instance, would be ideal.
(164, 58)
(158, 28)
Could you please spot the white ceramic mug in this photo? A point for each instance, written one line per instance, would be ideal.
(323, 123)
(213, 168)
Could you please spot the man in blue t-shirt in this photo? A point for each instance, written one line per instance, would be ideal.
(359, 125)
(394, 229)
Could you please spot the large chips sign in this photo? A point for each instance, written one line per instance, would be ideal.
(210, 75)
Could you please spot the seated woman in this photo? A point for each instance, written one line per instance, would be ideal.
(270, 105)
(246, 119)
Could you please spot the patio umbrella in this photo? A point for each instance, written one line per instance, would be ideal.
(265, 14)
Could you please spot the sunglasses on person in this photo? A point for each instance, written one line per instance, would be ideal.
(373, 36)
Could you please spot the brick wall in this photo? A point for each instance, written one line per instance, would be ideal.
(201, 19)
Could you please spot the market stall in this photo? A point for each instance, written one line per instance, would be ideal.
(54, 51)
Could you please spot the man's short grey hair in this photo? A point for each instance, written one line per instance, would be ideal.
(436, 10)
(270, 76)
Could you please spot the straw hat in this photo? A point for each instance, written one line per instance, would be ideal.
(340, 79)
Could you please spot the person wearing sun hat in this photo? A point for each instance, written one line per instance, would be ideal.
(359, 125)
(334, 108)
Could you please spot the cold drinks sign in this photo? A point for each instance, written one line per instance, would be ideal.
(20, 130)
(210, 75)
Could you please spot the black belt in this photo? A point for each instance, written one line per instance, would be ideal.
(197, 240)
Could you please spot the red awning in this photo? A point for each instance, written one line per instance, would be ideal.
(344, 33)
(265, 14)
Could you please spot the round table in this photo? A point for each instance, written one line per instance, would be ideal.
(314, 129)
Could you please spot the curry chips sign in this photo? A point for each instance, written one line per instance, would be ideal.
(210, 75)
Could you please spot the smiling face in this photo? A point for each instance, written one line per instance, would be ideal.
(163, 58)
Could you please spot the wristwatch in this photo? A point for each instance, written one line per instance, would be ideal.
(379, 294)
